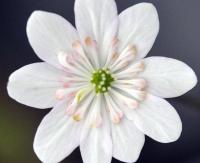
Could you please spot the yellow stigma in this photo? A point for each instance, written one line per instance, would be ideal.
(77, 117)
(82, 93)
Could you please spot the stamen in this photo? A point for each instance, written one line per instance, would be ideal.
(126, 101)
(71, 108)
(125, 76)
(131, 49)
(97, 122)
(124, 59)
(134, 104)
(71, 103)
(115, 56)
(78, 48)
(82, 94)
(140, 95)
(62, 58)
(77, 117)
(71, 59)
(115, 42)
(115, 113)
(76, 45)
(131, 71)
(82, 108)
(70, 97)
(138, 67)
(88, 41)
(115, 116)
(79, 114)
(137, 83)
(68, 61)
(112, 51)
(60, 93)
(67, 84)
(92, 51)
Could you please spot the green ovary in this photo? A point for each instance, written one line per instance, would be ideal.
(102, 79)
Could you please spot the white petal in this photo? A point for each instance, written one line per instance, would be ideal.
(127, 141)
(49, 34)
(57, 136)
(158, 119)
(96, 143)
(139, 26)
(167, 77)
(35, 85)
(97, 19)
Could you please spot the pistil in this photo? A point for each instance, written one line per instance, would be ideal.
(102, 79)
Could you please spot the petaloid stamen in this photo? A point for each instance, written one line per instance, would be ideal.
(71, 108)
(115, 42)
(89, 41)
(67, 84)
(139, 84)
(96, 119)
(62, 58)
(115, 116)
(68, 61)
(115, 113)
(79, 114)
(102, 80)
(139, 95)
(138, 67)
(129, 50)
(78, 48)
(125, 101)
(82, 94)
(82, 108)
(76, 45)
(131, 71)
(113, 55)
(60, 94)
(71, 103)
(125, 58)
(92, 50)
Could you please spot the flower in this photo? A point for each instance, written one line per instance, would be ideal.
(105, 95)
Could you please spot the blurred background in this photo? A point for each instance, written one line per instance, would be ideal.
(179, 38)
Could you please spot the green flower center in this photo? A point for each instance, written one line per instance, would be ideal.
(102, 79)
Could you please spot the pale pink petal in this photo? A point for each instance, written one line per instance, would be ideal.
(127, 141)
(97, 20)
(139, 26)
(57, 136)
(96, 143)
(167, 77)
(48, 34)
(157, 119)
(35, 85)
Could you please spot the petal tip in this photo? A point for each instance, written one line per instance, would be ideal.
(195, 79)
(34, 15)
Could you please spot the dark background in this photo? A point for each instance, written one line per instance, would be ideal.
(179, 38)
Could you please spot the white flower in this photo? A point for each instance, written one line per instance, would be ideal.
(105, 95)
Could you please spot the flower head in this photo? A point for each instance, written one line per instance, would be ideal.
(105, 95)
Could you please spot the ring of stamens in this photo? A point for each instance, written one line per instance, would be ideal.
(102, 79)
